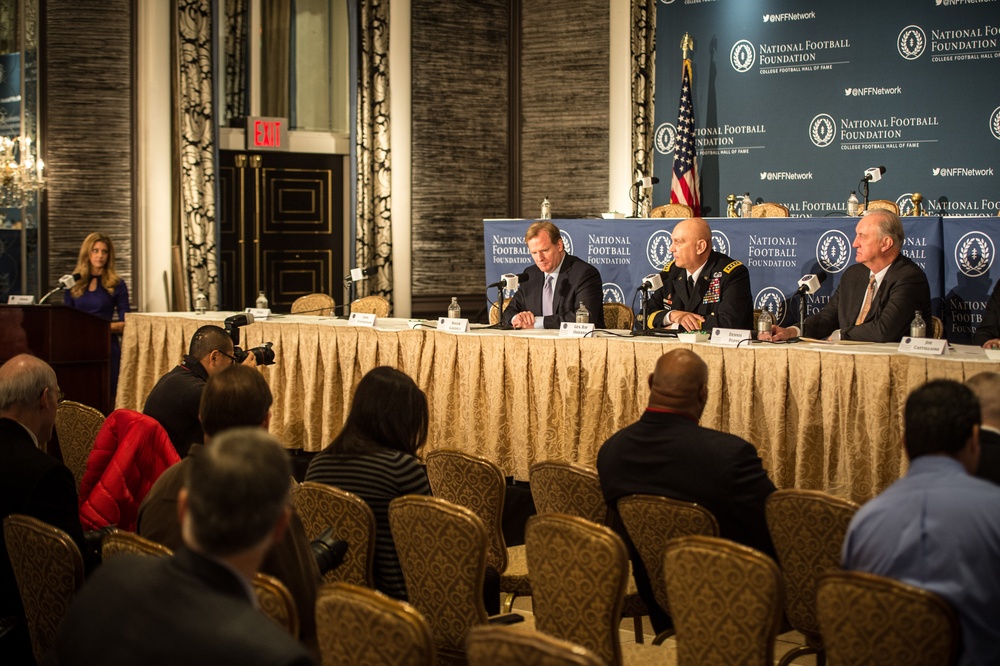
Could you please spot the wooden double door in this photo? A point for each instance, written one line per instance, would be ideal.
(281, 227)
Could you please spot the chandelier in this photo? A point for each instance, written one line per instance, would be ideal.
(21, 175)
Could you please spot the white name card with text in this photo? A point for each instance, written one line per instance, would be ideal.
(730, 337)
(21, 299)
(923, 346)
(453, 325)
(259, 314)
(366, 319)
(571, 329)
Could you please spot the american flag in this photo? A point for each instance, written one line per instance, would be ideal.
(684, 182)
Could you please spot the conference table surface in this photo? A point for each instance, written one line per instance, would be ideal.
(822, 416)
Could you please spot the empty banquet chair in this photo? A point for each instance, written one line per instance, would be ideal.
(672, 210)
(48, 568)
(769, 209)
(357, 625)
(320, 507)
(618, 316)
(808, 529)
(868, 619)
(725, 600)
(503, 646)
(651, 522)
(478, 484)
(275, 601)
(316, 304)
(937, 328)
(495, 310)
(883, 204)
(376, 305)
(119, 542)
(77, 426)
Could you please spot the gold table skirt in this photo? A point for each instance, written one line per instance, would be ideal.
(821, 417)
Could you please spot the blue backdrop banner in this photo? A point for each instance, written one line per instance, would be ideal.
(969, 255)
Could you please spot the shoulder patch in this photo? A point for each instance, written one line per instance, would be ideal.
(731, 267)
(667, 267)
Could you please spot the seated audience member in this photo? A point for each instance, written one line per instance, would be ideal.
(939, 527)
(32, 482)
(986, 386)
(667, 453)
(878, 296)
(196, 607)
(236, 397)
(556, 284)
(702, 288)
(175, 398)
(374, 457)
(987, 335)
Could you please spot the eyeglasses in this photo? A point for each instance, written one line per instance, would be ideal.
(230, 357)
(59, 393)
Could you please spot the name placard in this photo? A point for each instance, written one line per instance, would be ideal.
(21, 299)
(929, 346)
(730, 337)
(259, 313)
(570, 329)
(452, 325)
(366, 319)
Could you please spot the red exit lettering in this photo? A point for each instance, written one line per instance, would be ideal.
(267, 134)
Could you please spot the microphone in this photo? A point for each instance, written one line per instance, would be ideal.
(874, 174)
(646, 182)
(359, 274)
(809, 284)
(67, 281)
(509, 281)
(653, 281)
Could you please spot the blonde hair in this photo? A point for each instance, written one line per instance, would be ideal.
(109, 278)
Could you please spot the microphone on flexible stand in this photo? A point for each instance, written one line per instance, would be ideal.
(507, 282)
(808, 284)
(872, 175)
(636, 190)
(65, 282)
(357, 275)
(651, 282)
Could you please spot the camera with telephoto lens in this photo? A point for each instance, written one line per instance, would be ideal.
(264, 354)
(328, 551)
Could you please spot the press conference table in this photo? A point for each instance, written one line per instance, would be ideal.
(821, 416)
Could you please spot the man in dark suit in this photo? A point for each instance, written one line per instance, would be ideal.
(877, 298)
(32, 482)
(667, 453)
(987, 334)
(556, 284)
(986, 386)
(702, 288)
(196, 607)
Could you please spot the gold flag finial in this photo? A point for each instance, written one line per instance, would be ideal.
(687, 44)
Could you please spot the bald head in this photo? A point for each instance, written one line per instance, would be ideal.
(29, 394)
(986, 386)
(691, 241)
(679, 383)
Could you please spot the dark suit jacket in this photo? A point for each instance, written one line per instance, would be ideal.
(670, 455)
(578, 281)
(721, 295)
(35, 484)
(903, 291)
(989, 456)
(186, 609)
(989, 327)
(174, 402)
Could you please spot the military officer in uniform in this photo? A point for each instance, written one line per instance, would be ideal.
(702, 288)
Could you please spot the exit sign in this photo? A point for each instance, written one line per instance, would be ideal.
(267, 133)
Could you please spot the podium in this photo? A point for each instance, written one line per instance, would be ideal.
(76, 344)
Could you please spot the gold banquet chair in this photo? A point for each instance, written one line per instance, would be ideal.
(321, 506)
(77, 426)
(672, 210)
(720, 588)
(769, 209)
(937, 328)
(651, 522)
(119, 542)
(504, 646)
(618, 316)
(882, 204)
(574, 490)
(319, 305)
(808, 529)
(868, 619)
(48, 568)
(495, 310)
(478, 484)
(356, 625)
(376, 305)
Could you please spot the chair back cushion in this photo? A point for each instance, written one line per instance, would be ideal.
(769, 209)
(492, 645)
(276, 602)
(77, 426)
(618, 316)
(565, 487)
(672, 210)
(321, 506)
(578, 575)
(319, 305)
(725, 600)
(119, 542)
(376, 305)
(356, 625)
(49, 569)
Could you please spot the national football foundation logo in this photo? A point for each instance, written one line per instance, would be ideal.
(613, 293)
(995, 123)
(822, 130)
(720, 242)
(742, 56)
(773, 300)
(974, 254)
(912, 42)
(658, 249)
(665, 139)
(833, 251)
(567, 241)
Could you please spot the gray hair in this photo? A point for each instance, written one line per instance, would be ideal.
(22, 380)
(889, 225)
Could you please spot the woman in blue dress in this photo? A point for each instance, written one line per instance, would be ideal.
(102, 292)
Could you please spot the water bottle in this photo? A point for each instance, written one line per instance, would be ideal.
(918, 327)
(582, 314)
(747, 205)
(546, 209)
(852, 205)
(261, 301)
(764, 322)
(200, 303)
(454, 309)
